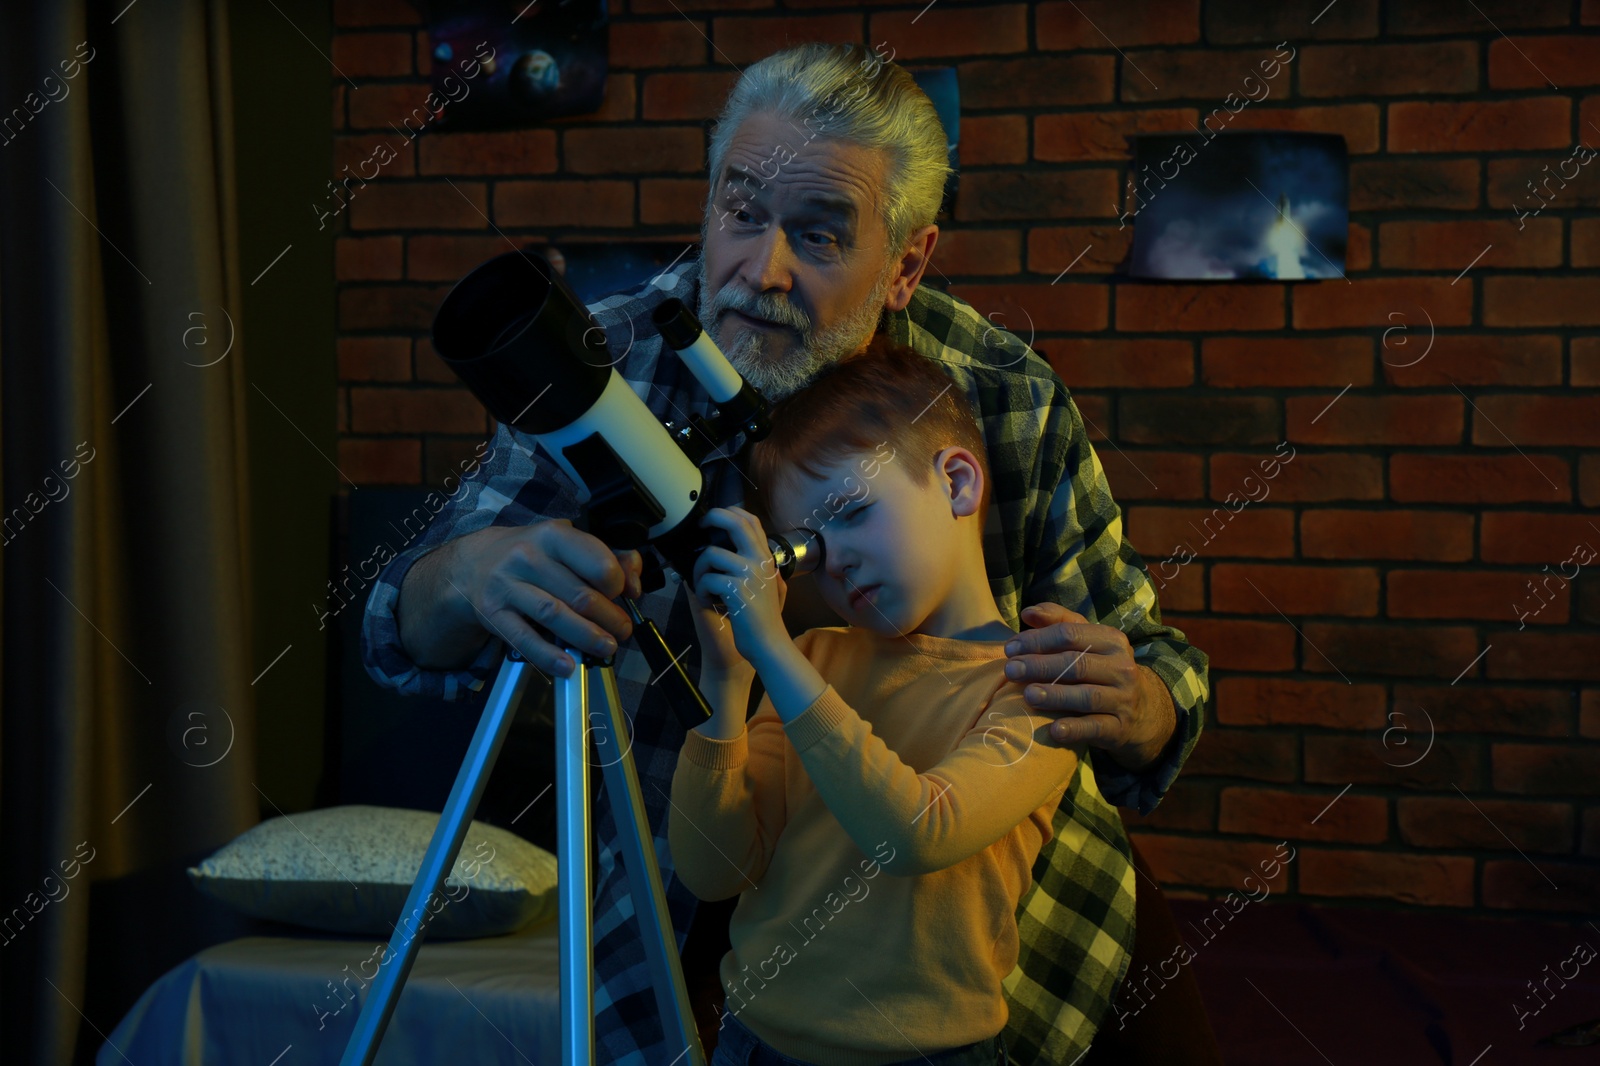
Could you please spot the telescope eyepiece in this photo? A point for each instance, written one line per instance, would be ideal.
(798, 551)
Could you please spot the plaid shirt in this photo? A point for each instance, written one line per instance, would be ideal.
(1059, 539)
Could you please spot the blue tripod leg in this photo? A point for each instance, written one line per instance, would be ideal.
(574, 892)
(439, 859)
(574, 886)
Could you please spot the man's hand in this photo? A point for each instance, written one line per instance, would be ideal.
(504, 581)
(1087, 675)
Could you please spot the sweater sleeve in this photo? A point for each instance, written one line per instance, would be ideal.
(1006, 767)
(728, 806)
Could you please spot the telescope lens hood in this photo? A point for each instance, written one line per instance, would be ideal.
(516, 334)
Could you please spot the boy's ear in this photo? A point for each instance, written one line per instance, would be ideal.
(962, 477)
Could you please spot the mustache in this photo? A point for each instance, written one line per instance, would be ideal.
(768, 307)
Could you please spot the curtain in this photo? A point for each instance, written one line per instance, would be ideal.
(126, 716)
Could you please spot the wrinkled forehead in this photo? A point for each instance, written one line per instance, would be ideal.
(816, 193)
(769, 161)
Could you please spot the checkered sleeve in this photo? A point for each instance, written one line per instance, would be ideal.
(512, 486)
(1087, 549)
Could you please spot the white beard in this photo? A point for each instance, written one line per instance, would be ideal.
(755, 353)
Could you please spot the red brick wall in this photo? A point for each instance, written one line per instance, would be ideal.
(1360, 609)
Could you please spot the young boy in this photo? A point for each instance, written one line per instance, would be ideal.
(896, 737)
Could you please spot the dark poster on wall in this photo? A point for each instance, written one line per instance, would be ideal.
(500, 64)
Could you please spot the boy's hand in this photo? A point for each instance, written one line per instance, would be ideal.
(719, 656)
(746, 581)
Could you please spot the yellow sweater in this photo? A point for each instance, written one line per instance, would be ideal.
(919, 761)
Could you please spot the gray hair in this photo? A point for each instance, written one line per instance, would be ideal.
(845, 92)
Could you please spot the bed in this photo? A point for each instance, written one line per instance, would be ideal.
(273, 1000)
(268, 999)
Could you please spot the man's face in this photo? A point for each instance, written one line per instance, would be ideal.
(794, 240)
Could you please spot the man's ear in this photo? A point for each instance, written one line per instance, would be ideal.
(918, 253)
(963, 478)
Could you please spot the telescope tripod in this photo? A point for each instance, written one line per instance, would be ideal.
(576, 698)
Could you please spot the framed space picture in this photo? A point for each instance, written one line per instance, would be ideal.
(510, 63)
(1261, 204)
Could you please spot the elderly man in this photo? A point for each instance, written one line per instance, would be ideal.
(828, 165)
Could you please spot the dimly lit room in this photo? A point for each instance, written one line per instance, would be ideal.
(514, 515)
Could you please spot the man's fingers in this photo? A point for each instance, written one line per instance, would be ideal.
(1072, 699)
(537, 587)
(1044, 614)
(633, 567)
(1059, 636)
(587, 557)
(582, 572)
(1083, 729)
(566, 623)
(509, 626)
(1073, 667)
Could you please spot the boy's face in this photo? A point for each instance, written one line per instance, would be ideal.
(891, 545)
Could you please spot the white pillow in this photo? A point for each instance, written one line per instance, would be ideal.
(349, 869)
